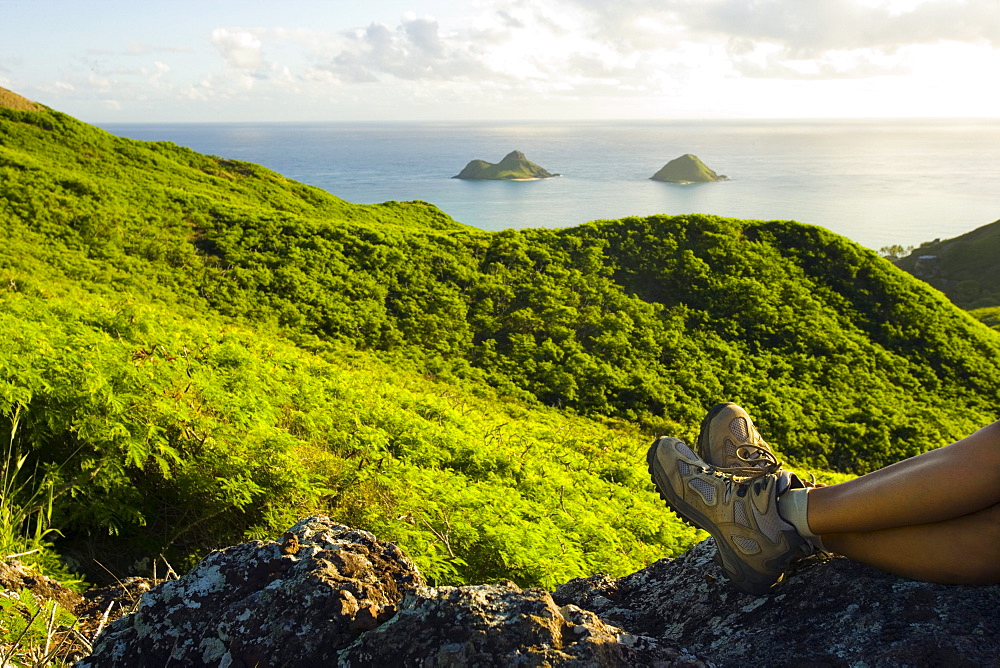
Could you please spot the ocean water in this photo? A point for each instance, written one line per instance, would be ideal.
(876, 182)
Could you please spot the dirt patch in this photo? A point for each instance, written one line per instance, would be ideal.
(14, 101)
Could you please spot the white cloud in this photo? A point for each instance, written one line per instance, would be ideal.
(156, 75)
(99, 83)
(810, 29)
(818, 39)
(559, 52)
(414, 50)
(240, 49)
(559, 58)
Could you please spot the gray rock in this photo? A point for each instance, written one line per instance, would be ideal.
(828, 612)
(293, 603)
(327, 594)
(503, 625)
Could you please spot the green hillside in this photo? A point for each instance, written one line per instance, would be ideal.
(197, 349)
(513, 167)
(966, 268)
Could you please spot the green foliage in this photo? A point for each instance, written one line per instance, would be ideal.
(964, 268)
(201, 350)
(26, 500)
(894, 252)
(32, 631)
(151, 431)
(182, 435)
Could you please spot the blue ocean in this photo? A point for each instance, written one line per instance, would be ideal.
(876, 182)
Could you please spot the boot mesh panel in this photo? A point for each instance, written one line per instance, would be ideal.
(740, 514)
(682, 448)
(748, 545)
(730, 449)
(706, 490)
(739, 428)
(683, 468)
(771, 523)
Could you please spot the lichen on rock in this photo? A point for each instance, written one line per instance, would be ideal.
(502, 625)
(330, 595)
(830, 611)
(254, 605)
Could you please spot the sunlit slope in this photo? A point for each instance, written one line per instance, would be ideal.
(166, 427)
(114, 212)
(173, 436)
(848, 362)
(11, 100)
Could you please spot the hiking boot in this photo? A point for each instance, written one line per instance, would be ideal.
(755, 544)
(729, 442)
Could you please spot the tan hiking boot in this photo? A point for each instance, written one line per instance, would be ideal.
(730, 443)
(755, 544)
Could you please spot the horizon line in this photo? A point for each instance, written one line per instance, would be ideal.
(480, 121)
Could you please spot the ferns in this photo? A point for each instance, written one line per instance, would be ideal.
(197, 350)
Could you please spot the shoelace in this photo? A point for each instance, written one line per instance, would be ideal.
(756, 466)
(726, 477)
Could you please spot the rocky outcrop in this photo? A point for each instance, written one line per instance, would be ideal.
(296, 602)
(687, 169)
(832, 612)
(503, 625)
(514, 167)
(327, 594)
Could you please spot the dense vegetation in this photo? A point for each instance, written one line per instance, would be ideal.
(197, 349)
(965, 268)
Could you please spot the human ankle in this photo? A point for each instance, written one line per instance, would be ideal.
(793, 506)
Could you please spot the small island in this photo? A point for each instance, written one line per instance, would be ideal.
(514, 167)
(687, 169)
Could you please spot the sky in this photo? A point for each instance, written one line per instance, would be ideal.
(117, 61)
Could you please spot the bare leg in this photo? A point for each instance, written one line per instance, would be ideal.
(962, 550)
(943, 484)
(933, 517)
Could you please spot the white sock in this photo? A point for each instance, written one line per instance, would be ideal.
(793, 507)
